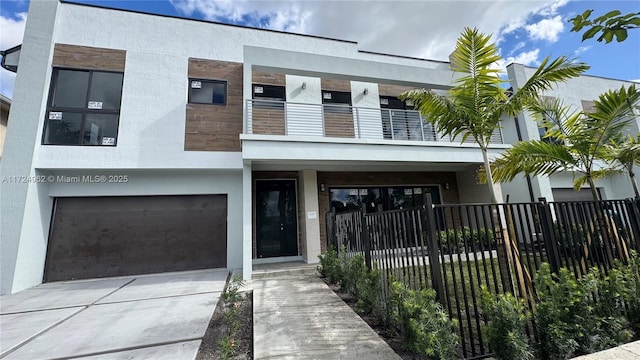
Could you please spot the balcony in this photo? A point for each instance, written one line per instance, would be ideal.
(267, 117)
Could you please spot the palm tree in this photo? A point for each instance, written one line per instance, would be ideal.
(581, 143)
(626, 154)
(476, 104)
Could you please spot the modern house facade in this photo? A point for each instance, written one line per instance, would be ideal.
(141, 143)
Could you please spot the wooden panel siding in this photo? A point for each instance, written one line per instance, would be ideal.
(86, 57)
(393, 90)
(335, 85)
(260, 77)
(338, 125)
(215, 127)
(358, 179)
(267, 121)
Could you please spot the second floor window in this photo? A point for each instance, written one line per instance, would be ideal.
(336, 101)
(202, 91)
(268, 96)
(83, 108)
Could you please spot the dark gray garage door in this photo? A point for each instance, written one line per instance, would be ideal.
(113, 236)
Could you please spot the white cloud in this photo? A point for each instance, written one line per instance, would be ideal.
(12, 33)
(552, 8)
(582, 49)
(422, 28)
(546, 29)
(517, 47)
(526, 58)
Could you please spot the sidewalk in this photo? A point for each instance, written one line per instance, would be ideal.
(630, 351)
(297, 316)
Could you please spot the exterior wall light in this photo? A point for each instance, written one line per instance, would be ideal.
(366, 91)
(304, 85)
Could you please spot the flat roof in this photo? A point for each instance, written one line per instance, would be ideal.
(201, 20)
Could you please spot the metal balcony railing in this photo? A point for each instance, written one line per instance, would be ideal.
(269, 117)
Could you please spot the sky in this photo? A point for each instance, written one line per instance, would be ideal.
(526, 31)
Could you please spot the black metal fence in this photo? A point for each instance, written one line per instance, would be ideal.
(456, 249)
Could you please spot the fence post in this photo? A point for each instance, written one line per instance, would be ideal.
(550, 243)
(634, 219)
(429, 225)
(364, 236)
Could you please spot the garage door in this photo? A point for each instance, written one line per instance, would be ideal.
(113, 236)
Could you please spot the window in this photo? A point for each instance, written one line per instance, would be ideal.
(203, 91)
(336, 101)
(83, 108)
(399, 120)
(268, 96)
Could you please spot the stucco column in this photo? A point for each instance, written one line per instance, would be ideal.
(311, 223)
(247, 222)
(25, 206)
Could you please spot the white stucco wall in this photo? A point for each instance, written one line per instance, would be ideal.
(303, 119)
(367, 119)
(22, 204)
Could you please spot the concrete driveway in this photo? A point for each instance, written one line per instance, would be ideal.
(161, 316)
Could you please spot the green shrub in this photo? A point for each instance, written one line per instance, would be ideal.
(354, 271)
(230, 301)
(454, 240)
(579, 316)
(558, 307)
(329, 267)
(371, 299)
(506, 318)
(631, 290)
(425, 326)
(484, 236)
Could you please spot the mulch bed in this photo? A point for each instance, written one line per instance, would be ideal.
(217, 330)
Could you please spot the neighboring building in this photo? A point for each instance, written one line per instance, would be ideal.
(177, 144)
(5, 105)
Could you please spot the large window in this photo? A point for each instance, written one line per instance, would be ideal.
(381, 198)
(83, 108)
(203, 91)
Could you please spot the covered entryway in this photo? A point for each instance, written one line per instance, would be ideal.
(112, 236)
(276, 218)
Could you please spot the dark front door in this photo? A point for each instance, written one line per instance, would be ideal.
(276, 221)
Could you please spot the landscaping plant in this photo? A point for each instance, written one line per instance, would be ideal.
(582, 316)
(231, 300)
(422, 322)
(504, 331)
(329, 267)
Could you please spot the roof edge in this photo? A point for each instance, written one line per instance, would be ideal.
(71, 2)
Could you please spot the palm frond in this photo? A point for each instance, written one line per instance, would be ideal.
(548, 74)
(532, 157)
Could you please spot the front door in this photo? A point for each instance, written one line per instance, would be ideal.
(276, 219)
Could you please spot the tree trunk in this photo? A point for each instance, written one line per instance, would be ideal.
(594, 189)
(632, 175)
(487, 169)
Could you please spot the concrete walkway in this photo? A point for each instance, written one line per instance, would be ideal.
(297, 316)
(161, 316)
(630, 351)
